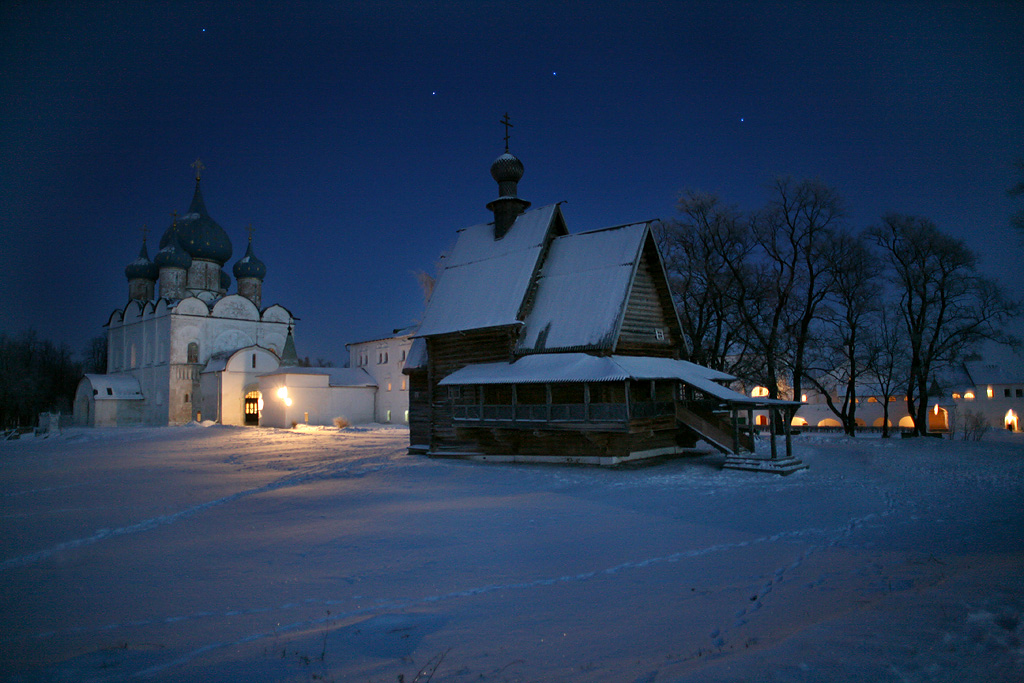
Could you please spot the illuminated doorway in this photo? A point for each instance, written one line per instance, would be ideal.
(1010, 421)
(253, 401)
(938, 420)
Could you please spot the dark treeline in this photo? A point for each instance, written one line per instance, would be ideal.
(36, 376)
(790, 297)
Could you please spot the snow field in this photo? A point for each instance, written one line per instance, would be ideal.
(296, 555)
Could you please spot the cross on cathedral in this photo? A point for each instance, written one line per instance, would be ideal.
(508, 124)
(198, 166)
(145, 233)
(251, 230)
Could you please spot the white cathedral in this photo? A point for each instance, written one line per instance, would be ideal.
(183, 348)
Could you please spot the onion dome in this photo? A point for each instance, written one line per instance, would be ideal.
(249, 265)
(199, 234)
(142, 268)
(225, 281)
(507, 168)
(172, 255)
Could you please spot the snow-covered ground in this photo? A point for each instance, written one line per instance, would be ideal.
(232, 554)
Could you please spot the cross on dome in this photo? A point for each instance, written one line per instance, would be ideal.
(508, 124)
(198, 166)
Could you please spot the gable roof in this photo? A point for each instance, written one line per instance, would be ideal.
(485, 281)
(583, 289)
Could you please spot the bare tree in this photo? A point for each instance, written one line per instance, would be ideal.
(795, 234)
(837, 355)
(946, 305)
(696, 248)
(94, 357)
(886, 357)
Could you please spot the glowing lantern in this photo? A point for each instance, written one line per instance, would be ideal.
(282, 392)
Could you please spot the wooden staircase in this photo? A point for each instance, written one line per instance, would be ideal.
(716, 432)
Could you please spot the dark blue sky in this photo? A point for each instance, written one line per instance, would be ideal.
(357, 136)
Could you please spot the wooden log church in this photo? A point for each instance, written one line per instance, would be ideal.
(541, 345)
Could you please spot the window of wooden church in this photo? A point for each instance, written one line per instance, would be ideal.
(498, 394)
(497, 402)
(531, 394)
(608, 392)
(567, 402)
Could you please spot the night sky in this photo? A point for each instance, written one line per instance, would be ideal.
(356, 137)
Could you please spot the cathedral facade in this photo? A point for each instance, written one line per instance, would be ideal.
(184, 348)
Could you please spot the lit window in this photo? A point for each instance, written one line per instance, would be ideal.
(389, 386)
(872, 399)
(389, 416)
(956, 396)
(759, 392)
(969, 395)
(803, 398)
(403, 384)
(988, 391)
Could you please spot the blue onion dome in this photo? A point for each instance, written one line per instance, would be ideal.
(506, 168)
(172, 255)
(142, 268)
(199, 234)
(249, 266)
(225, 281)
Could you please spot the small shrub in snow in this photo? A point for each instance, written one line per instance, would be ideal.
(341, 422)
(974, 426)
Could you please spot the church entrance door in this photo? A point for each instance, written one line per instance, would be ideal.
(252, 408)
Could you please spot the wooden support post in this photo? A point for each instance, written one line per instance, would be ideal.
(789, 413)
(751, 431)
(734, 416)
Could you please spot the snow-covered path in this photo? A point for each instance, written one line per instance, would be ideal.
(254, 554)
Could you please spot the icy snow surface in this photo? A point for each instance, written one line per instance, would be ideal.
(231, 554)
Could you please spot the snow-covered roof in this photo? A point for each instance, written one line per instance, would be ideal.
(417, 356)
(583, 367)
(485, 281)
(990, 373)
(339, 377)
(583, 289)
(115, 387)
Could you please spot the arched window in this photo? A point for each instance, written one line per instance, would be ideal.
(759, 392)
(193, 352)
